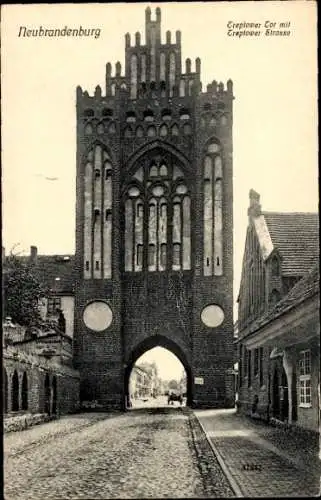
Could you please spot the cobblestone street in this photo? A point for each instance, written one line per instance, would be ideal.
(140, 454)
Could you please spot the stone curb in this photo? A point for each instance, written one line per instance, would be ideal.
(23, 422)
(235, 487)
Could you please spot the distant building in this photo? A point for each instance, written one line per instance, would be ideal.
(56, 273)
(279, 330)
(140, 385)
(183, 384)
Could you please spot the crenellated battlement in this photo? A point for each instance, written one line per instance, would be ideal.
(154, 70)
(219, 90)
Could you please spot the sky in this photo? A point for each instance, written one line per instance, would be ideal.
(169, 366)
(275, 107)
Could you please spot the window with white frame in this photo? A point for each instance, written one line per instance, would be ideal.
(305, 378)
(54, 303)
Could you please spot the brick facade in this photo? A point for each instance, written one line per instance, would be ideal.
(153, 110)
(38, 385)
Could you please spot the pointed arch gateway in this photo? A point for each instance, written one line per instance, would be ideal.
(158, 341)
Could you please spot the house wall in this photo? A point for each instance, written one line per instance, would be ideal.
(306, 417)
(246, 393)
(67, 306)
(36, 369)
(309, 417)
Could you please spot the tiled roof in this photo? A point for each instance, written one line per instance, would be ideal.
(296, 236)
(50, 267)
(305, 288)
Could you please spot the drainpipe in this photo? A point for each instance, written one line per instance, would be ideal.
(269, 391)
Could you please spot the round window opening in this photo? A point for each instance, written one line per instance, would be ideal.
(98, 316)
(213, 148)
(181, 189)
(212, 315)
(158, 191)
(133, 191)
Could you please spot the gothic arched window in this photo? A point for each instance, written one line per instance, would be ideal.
(187, 129)
(275, 266)
(163, 131)
(213, 122)
(139, 132)
(151, 131)
(139, 209)
(184, 114)
(213, 211)
(157, 226)
(148, 116)
(100, 128)
(112, 128)
(275, 297)
(127, 132)
(175, 130)
(107, 113)
(153, 171)
(15, 392)
(88, 129)
(166, 115)
(24, 392)
(130, 117)
(163, 170)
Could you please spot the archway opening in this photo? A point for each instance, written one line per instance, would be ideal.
(15, 392)
(158, 375)
(54, 395)
(24, 392)
(5, 391)
(47, 394)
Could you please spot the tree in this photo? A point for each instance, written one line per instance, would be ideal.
(173, 385)
(22, 291)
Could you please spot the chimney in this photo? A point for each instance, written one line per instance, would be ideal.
(254, 209)
(33, 254)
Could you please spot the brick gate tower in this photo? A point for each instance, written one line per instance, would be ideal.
(154, 223)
